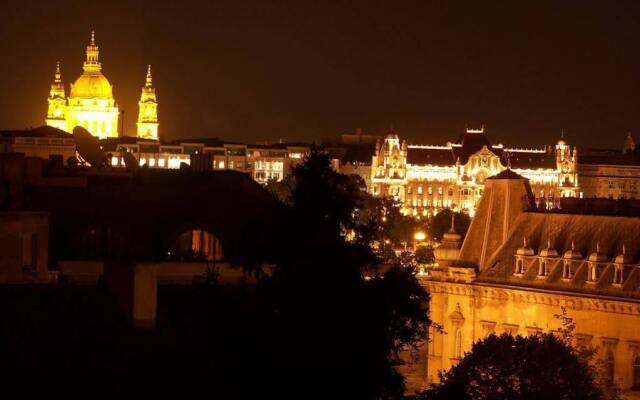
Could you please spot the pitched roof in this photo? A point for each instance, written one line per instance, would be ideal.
(507, 174)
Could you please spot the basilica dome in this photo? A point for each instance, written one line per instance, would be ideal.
(92, 85)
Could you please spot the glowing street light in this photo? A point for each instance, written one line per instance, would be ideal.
(420, 236)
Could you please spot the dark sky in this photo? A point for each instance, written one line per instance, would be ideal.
(302, 70)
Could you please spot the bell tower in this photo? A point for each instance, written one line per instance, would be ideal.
(148, 110)
(56, 113)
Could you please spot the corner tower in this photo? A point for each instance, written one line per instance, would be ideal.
(148, 110)
(56, 112)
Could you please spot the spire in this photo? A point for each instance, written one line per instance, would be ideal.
(453, 223)
(92, 64)
(149, 81)
(573, 245)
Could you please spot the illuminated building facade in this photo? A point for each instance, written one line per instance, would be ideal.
(91, 104)
(264, 162)
(148, 110)
(517, 268)
(426, 179)
(612, 174)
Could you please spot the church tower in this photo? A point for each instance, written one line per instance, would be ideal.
(56, 113)
(91, 103)
(148, 110)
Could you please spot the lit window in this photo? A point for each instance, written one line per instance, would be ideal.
(152, 162)
(220, 164)
(161, 163)
(419, 189)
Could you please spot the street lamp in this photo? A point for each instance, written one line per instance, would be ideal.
(420, 236)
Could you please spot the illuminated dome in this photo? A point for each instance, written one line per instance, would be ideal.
(92, 86)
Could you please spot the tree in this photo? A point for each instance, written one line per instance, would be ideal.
(543, 366)
(441, 223)
(511, 368)
(339, 323)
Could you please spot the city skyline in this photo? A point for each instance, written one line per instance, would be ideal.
(296, 71)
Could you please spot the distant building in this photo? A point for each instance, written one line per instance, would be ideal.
(264, 162)
(427, 178)
(91, 104)
(610, 174)
(43, 142)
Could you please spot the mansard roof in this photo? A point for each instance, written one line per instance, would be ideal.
(530, 159)
(431, 155)
(587, 232)
(470, 143)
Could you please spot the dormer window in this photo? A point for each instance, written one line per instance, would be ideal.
(566, 270)
(542, 268)
(519, 266)
(618, 275)
(593, 272)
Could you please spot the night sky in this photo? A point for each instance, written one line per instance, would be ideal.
(303, 70)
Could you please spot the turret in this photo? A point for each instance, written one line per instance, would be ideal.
(629, 144)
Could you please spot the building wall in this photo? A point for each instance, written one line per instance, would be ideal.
(426, 188)
(477, 310)
(24, 246)
(610, 181)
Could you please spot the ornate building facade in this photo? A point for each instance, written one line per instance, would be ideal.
(91, 104)
(518, 268)
(428, 178)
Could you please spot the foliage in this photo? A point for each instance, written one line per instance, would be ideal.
(333, 325)
(424, 255)
(543, 366)
(511, 368)
(441, 223)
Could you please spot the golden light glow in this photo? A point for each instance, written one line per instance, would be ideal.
(420, 236)
(90, 103)
(148, 110)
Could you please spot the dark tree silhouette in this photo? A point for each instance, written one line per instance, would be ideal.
(441, 223)
(337, 332)
(517, 368)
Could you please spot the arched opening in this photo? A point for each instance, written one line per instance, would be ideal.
(195, 245)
